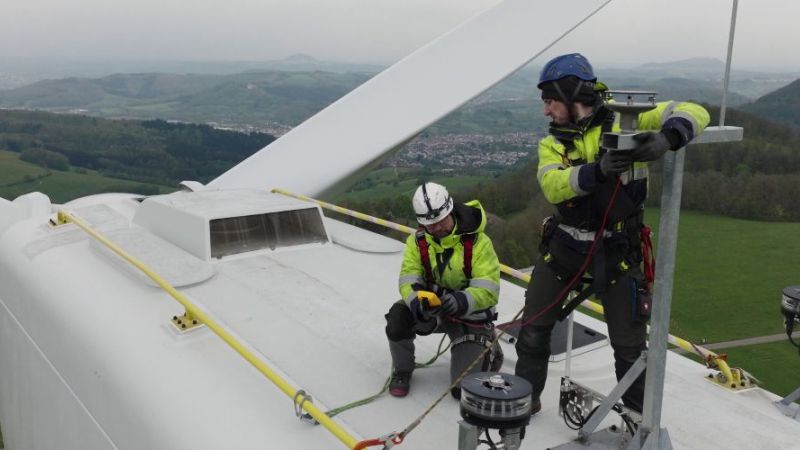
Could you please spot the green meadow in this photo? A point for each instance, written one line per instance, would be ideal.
(18, 177)
(729, 276)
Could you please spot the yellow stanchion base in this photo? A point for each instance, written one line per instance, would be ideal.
(185, 323)
(739, 382)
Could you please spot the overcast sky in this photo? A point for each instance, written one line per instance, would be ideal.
(382, 31)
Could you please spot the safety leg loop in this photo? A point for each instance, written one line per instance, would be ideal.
(476, 338)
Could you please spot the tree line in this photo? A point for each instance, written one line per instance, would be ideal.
(153, 151)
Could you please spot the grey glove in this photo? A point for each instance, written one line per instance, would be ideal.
(615, 162)
(652, 146)
(454, 304)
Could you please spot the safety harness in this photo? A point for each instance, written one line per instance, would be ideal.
(467, 240)
(587, 213)
(643, 308)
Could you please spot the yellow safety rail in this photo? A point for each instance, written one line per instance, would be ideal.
(348, 440)
(711, 358)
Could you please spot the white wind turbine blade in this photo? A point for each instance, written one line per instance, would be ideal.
(395, 105)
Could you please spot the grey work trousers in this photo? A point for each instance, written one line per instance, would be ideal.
(461, 355)
(626, 328)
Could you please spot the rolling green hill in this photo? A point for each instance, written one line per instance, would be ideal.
(781, 106)
(18, 177)
(256, 98)
(155, 152)
(247, 98)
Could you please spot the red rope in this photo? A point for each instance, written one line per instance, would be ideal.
(579, 273)
(648, 256)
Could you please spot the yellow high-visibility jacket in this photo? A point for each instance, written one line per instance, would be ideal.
(568, 174)
(482, 290)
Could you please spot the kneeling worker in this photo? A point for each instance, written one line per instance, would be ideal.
(451, 256)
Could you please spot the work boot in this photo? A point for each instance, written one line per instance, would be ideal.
(456, 393)
(400, 383)
(536, 406)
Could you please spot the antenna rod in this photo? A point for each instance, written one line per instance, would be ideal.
(728, 64)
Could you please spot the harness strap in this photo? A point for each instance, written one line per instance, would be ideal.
(468, 240)
(647, 255)
(569, 307)
(476, 338)
(424, 256)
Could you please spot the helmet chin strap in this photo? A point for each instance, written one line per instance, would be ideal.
(573, 117)
(427, 199)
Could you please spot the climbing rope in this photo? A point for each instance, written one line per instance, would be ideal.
(367, 400)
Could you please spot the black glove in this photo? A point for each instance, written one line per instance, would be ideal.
(421, 312)
(652, 146)
(440, 291)
(454, 304)
(615, 162)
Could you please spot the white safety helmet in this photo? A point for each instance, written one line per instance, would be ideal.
(432, 203)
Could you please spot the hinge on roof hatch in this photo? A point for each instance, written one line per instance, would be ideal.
(185, 323)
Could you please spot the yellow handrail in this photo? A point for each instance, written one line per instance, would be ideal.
(65, 217)
(706, 354)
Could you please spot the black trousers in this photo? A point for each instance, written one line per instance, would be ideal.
(626, 328)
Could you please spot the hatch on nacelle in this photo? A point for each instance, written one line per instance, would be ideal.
(215, 224)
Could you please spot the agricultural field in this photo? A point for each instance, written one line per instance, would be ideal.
(730, 274)
(18, 177)
(728, 282)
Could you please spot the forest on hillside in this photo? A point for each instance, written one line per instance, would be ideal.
(152, 151)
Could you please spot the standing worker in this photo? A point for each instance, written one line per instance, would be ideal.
(579, 178)
(451, 256)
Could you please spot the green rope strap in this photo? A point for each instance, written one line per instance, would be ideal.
(439, 352)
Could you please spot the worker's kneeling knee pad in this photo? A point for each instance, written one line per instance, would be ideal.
(399, 323)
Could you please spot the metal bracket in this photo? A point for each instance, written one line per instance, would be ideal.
(613, 397)
(467, 436)
(788, 407)
(581, 401)
(645, 440)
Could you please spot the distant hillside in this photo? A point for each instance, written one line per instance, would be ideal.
(691, 67)
(252, 98)
(151, 151)
(782, 105)
(261, 99)
(704, 74)
(97, 94)
(16, 72)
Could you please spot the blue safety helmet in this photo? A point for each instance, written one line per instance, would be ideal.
(562, 66)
